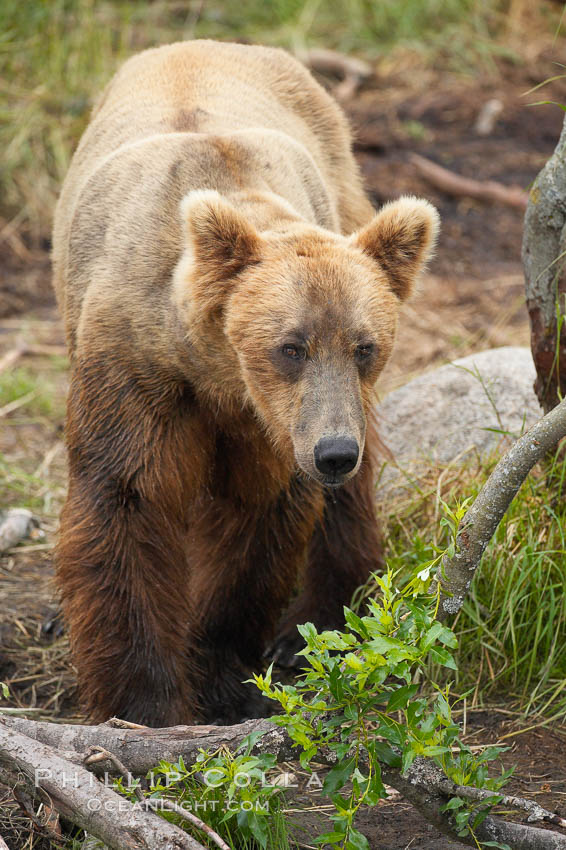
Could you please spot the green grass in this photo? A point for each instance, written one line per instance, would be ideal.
(35, 392)
(512, 629)
(19, 488)
(36, 416)
(56, 56)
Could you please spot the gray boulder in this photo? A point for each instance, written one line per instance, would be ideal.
(442, 415)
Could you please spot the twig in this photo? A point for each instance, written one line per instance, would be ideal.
(353, 71)
(19, 402)
(488, 116)
(45, 351)
(455, 184)
(11, 357)
(8, 360)
(118, 723)
(535, 811)
(47, 459)
(160, 803)
(481, 521)
(98, 754)
(34, 547)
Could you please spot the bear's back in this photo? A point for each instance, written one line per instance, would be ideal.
(212, 87)
(144, 149)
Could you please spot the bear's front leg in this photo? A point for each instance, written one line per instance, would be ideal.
(245, 564)
(344, 550)
(121, 557)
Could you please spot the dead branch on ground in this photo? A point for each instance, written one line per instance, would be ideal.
(139, 750)
(353, 72)
(81, 798)
(9, 360)
(454, 184)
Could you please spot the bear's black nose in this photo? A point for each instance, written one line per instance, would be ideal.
(336, 455)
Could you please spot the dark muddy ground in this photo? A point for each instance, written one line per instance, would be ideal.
(472, 299)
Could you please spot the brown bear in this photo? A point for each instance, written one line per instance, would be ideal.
(230, 300)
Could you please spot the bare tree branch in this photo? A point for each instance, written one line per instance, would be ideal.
(353, 71)
(160, 803)
(82, 799)
(535, 811)
(481, 521)
(455, 184)
(424, 784)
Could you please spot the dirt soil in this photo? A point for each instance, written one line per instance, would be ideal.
(473, 299)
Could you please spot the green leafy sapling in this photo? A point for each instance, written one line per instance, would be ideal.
(358, 699)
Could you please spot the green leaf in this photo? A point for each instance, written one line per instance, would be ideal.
(496, 844)
(442, 656)
(401, 697)
(330, 838)
(407, 760)
(382, 644)
(250, 741)
(431, 636)
(335, 685)
(548, 103)
(443, 707)
(353, 661)
(386, 754)
(307, 630)
(454, 803)
(435, 751)
(356, 841)
(356, 623)
(341, 748)
(5, 690)
(258, 827)
(338, 776)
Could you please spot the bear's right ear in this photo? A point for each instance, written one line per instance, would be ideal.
(222, 242)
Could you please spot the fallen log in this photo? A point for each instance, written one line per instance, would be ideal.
(82, 799)
(140, 749)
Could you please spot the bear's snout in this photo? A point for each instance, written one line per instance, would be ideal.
(336, 456)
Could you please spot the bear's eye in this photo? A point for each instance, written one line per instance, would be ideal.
(295, 352)
(364, 350)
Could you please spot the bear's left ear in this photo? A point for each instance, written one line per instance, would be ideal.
(220, 238)
(401, 239)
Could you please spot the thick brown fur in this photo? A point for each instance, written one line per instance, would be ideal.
(229, 304)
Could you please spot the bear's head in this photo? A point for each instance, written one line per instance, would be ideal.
(298, 322)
